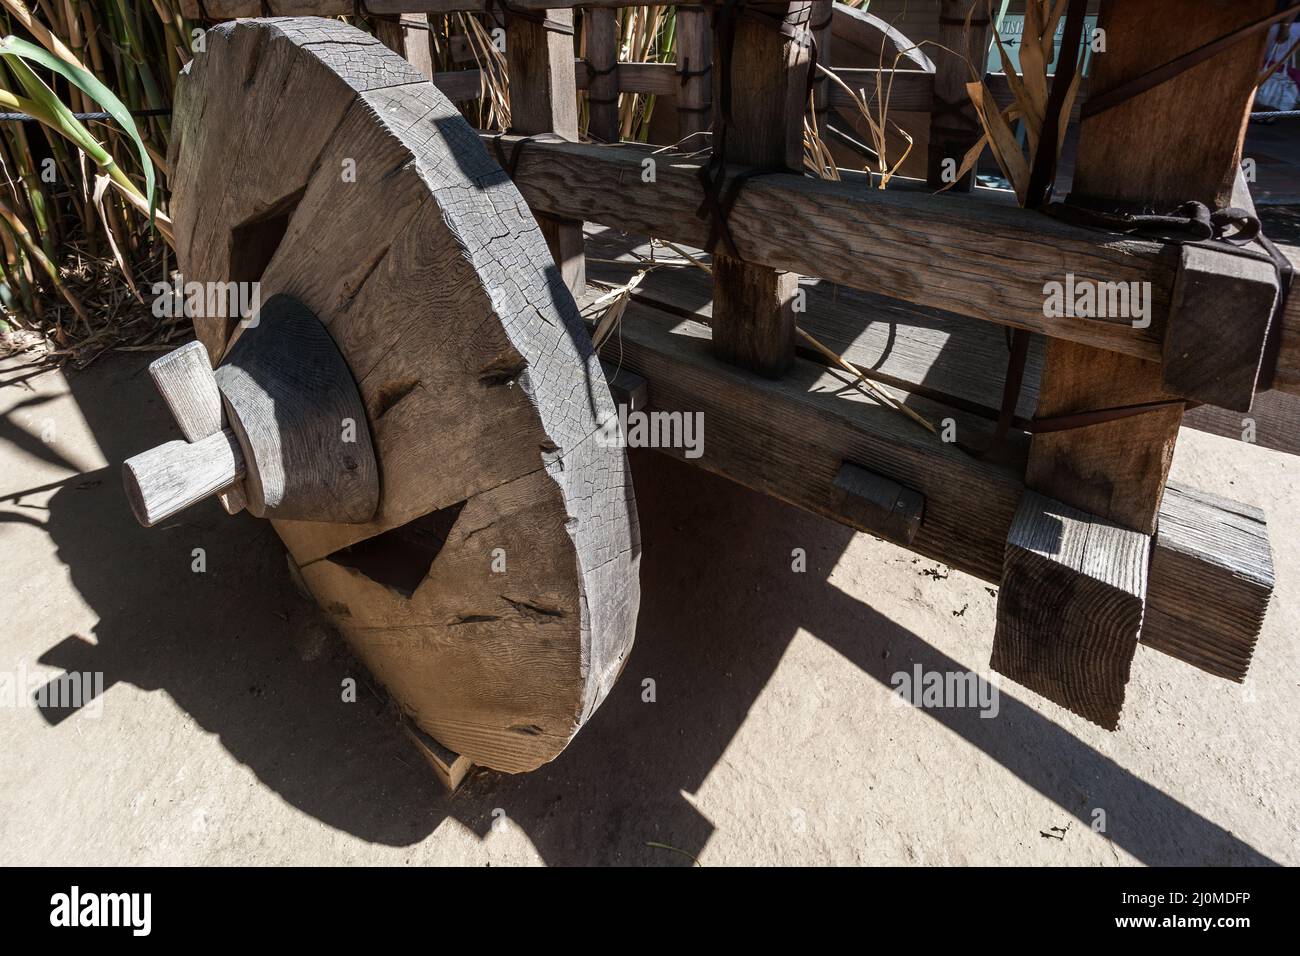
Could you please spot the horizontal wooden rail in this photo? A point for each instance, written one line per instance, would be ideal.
(911, 90)
(230, 9)
(907, 90)
(960, 254)
(968, 255)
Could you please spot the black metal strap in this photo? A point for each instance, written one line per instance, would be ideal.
(510, 161)
(1231, 230)
(721, 192)
(686, 73)
(594, 74)
(1072, 420)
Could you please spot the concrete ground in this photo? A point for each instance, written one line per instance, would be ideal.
(775, 736)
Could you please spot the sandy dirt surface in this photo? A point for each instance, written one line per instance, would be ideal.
(221, 735)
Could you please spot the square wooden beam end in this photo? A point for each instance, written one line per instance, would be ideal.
(1070, 607)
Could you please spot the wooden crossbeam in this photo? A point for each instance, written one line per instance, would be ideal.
(972, 256)
(967, 256)
(792, 438)
(946, 357)
(1217, 291)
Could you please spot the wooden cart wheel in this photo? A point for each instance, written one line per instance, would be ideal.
(495, 591)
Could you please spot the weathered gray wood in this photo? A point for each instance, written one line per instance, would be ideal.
(1211, 582)
(601, 26)
(184, 379)
(1070, 607)
(1272, 422)
(1220, 312)
(954, 125)
(481, 391)
(290, 398)
(165, 480)
(912, 240)
(1287, 376)
(875, 501)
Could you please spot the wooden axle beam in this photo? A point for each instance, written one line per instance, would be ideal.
(792, 439)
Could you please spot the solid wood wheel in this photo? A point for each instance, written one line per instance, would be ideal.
(495, 591)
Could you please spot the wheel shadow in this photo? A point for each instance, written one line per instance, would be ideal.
(249, 659)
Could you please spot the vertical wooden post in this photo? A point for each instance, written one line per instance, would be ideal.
(753, 317)
(694, 62)
(415, 31)
(1074, 583)
(1192, 125)
(389, 33)
(544, 99)
(823, 12)
(954, 126)
(407, 38)
(1178, 141)
(601, 26)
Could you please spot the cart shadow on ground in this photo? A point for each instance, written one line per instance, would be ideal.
(239, 650)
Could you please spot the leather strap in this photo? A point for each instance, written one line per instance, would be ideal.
(1100, 101)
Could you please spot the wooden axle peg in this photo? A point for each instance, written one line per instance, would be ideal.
(297, 435)
(171, 477)
(185, 380)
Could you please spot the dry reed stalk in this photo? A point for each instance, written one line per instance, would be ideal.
(1030, 90)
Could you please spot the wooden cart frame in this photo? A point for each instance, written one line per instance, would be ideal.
(1092, 548)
